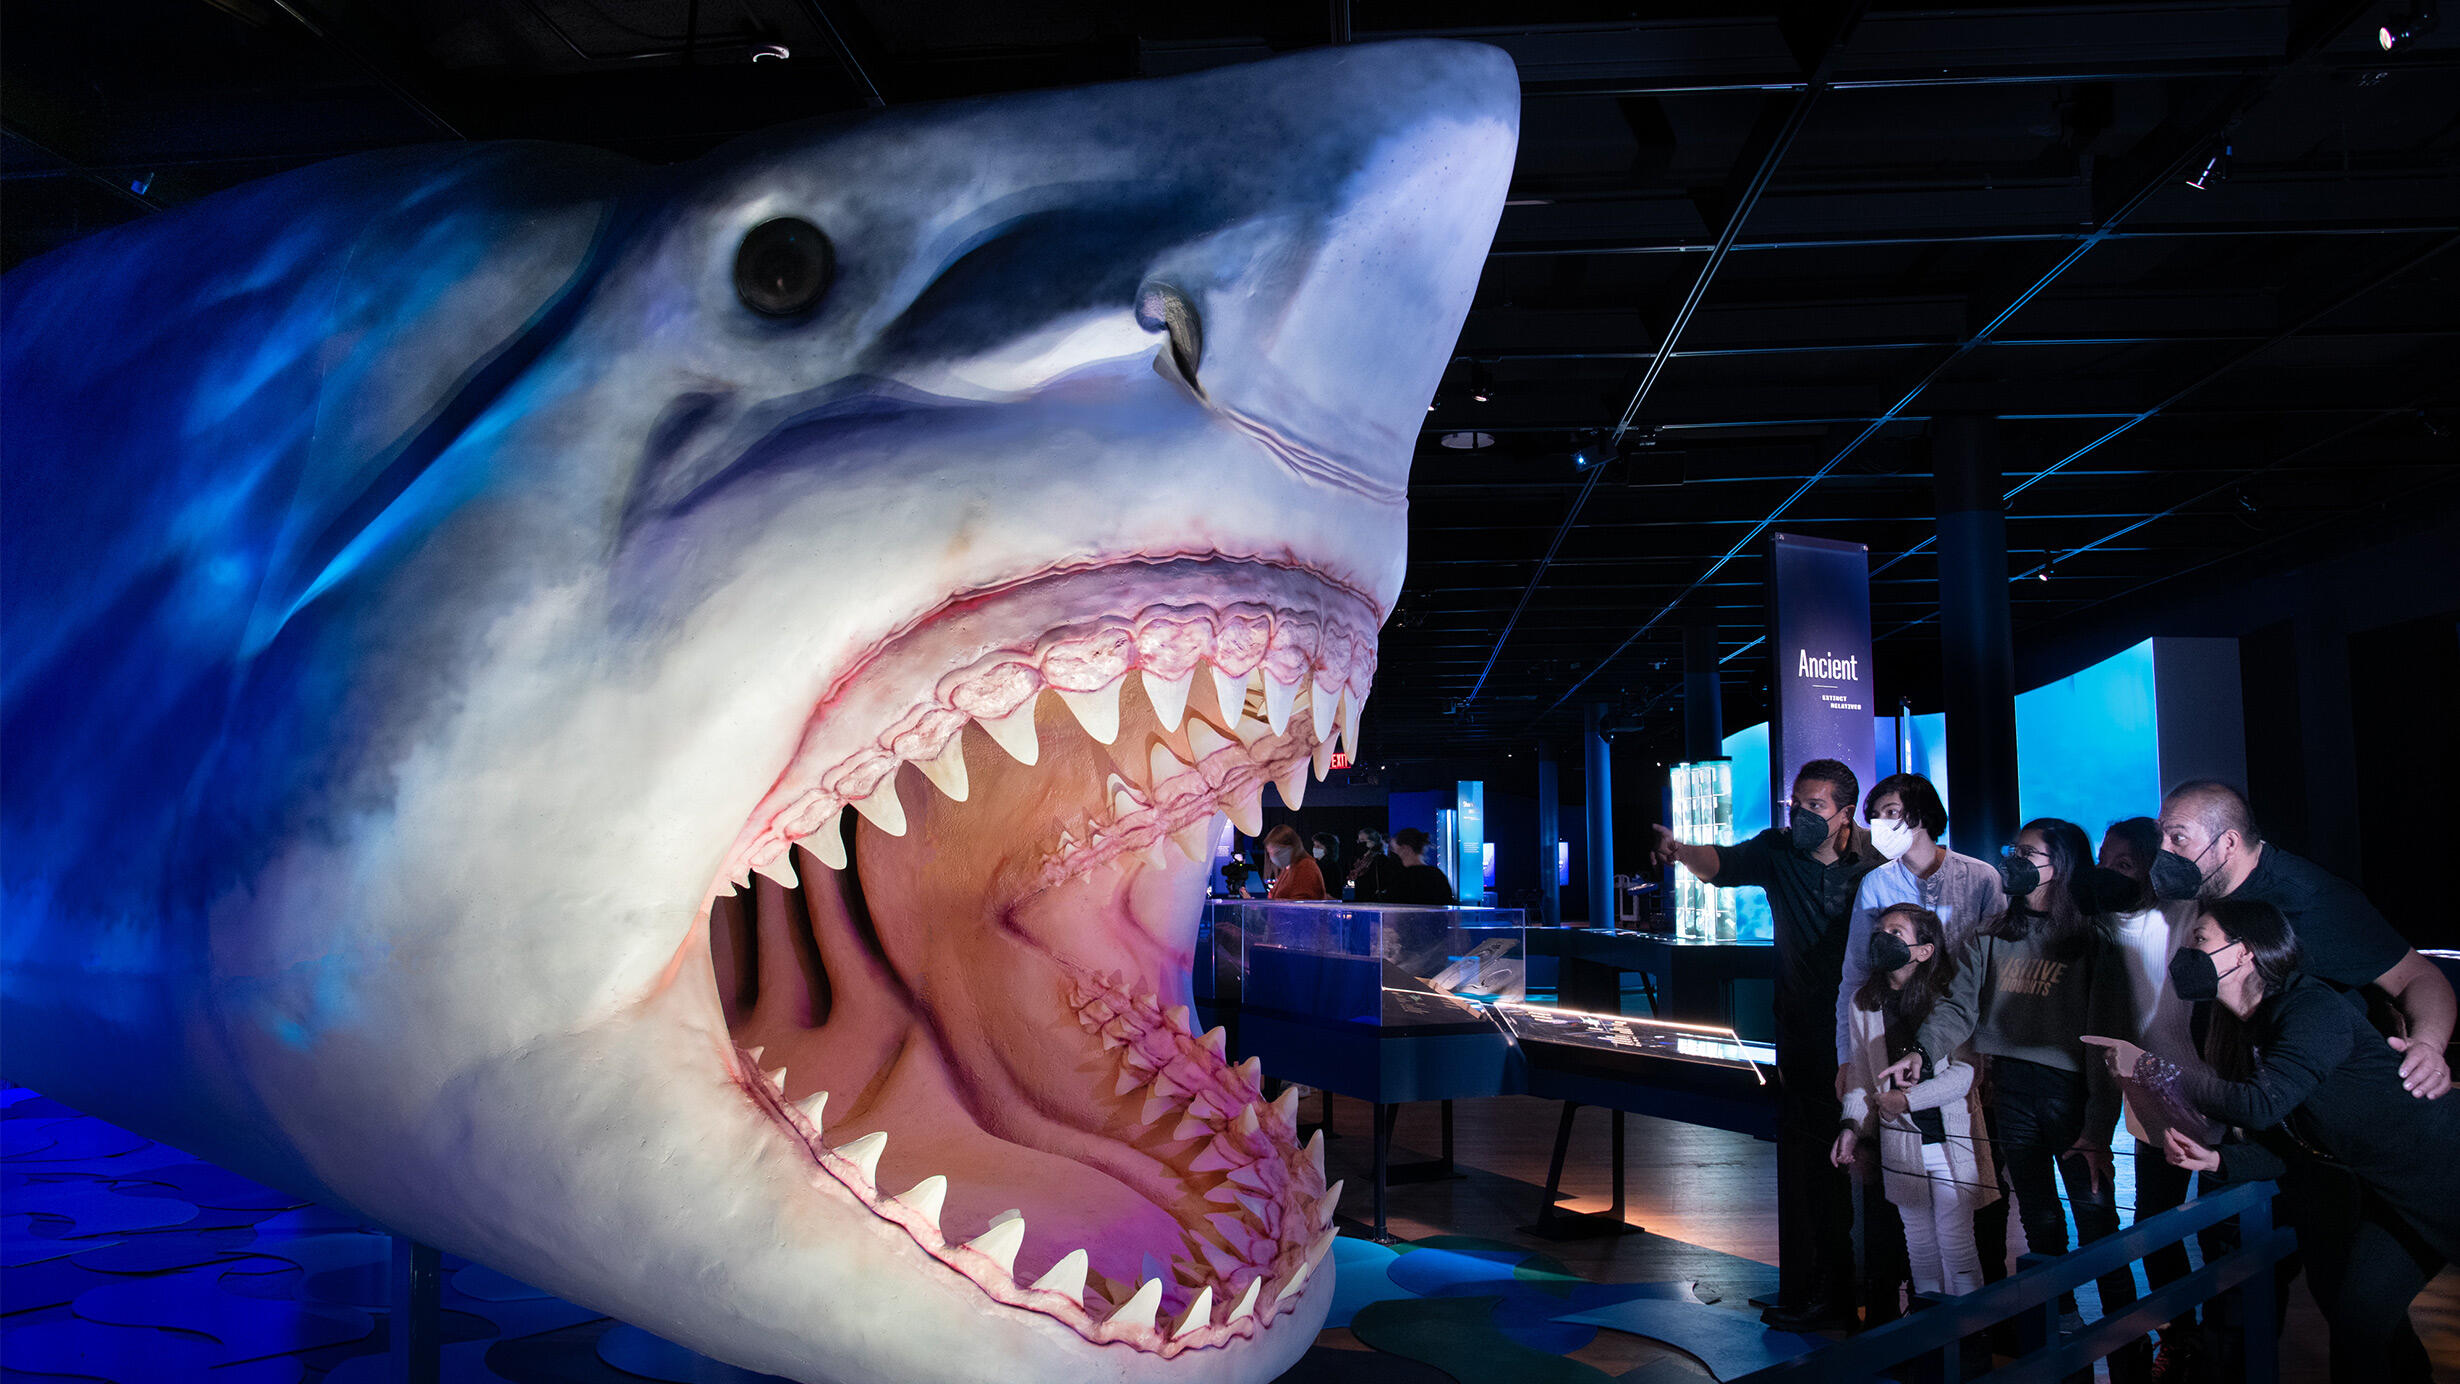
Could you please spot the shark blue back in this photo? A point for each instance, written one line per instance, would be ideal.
(200, 408)
(433, 580)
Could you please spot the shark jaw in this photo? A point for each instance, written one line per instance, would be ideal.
(952, 945)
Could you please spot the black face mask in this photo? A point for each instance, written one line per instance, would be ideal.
(2193, 974)
(2018, 875)
(1889, 952)
(2101, 889)
(1809, 828)
(2176, 877)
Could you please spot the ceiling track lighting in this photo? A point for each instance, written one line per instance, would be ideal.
(1481, 384)
(2214, 171)
(1590, 451)
(2405, 29)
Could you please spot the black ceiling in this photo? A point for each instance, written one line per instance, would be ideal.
(1751, 252)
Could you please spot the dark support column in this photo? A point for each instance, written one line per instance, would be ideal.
(1703, 698)
(417, 1342)
(1549, 830)
(1600, 772)
(1977, 655)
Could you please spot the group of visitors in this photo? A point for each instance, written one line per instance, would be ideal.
(1956, 1034)
(1387, 869)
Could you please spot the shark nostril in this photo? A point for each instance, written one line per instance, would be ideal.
(1161, 307)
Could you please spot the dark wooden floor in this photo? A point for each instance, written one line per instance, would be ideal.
(1707, 1198)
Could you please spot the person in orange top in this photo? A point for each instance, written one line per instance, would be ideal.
(1299, 877)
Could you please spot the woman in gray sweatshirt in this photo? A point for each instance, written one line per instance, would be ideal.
(2028, 988)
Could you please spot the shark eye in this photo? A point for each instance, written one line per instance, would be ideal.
(784, 267)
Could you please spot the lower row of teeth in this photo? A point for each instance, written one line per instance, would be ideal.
(1184, 1072)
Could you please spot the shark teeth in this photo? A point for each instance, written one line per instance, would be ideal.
(829, 843)
(1247, 1301)
(1067, 1277)
(926, 1198)
(883, 809)
(864, 1154)
(1230, 691)
(1168, 695)
(811, 1106)
(1137, 1312)
(947, 773)
(1000, 1243)
(1015, 733)
(1323, 705)
(1280, 699)
(1199, 1313)
(1097, 711)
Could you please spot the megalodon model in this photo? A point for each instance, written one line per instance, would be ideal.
(660, 728)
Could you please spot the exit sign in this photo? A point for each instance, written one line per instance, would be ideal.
(1341, 759)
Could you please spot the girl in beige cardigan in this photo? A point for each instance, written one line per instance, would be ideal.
(1931, 1165)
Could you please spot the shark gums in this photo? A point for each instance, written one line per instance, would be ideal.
(660, 728)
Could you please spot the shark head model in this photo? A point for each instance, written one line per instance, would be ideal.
(436, 581)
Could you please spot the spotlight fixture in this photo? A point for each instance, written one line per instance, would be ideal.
(2406, 29)
(768, 51)
(1481, 386)
(2215, 171)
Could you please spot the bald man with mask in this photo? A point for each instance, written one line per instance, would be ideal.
(2212, 850)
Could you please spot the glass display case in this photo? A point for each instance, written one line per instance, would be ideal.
(1616, 1034)
(1703, 815)
(1391, 966)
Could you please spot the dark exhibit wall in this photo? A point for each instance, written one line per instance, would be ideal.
(2404, 691)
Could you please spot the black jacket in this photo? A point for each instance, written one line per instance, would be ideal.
(2327, 1086)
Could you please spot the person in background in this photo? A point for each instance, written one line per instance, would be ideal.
(2027, 991)
(1932, 1167)
(2148, 934)
(1325, 848)
(1299, 878)
(1811, 868)
(2213, 851)
(1416, 881)
(1371, 873)
(2316, 1090)
(1907, 820)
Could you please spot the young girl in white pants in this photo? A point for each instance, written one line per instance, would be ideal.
(1931, 1166)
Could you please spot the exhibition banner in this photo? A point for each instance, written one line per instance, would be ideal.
(1819, 642)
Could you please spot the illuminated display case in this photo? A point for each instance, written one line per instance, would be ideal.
(1703, 814)
(1619, 1034)
(1390, 966)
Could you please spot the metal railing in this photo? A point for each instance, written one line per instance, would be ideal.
(1931, 1340)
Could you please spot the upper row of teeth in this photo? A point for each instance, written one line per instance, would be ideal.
(1176, 802)
(1060, 1292)
(1330, 706)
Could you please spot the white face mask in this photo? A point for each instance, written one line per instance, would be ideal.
(1319, 852)
(1892, 835)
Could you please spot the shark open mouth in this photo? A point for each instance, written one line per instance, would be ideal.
(953, 944)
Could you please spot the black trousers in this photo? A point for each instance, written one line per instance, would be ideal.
(2365, 1265)
(1815, 1216)
(2162, 1186)
(1887, 1269)
(2035, 1116)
